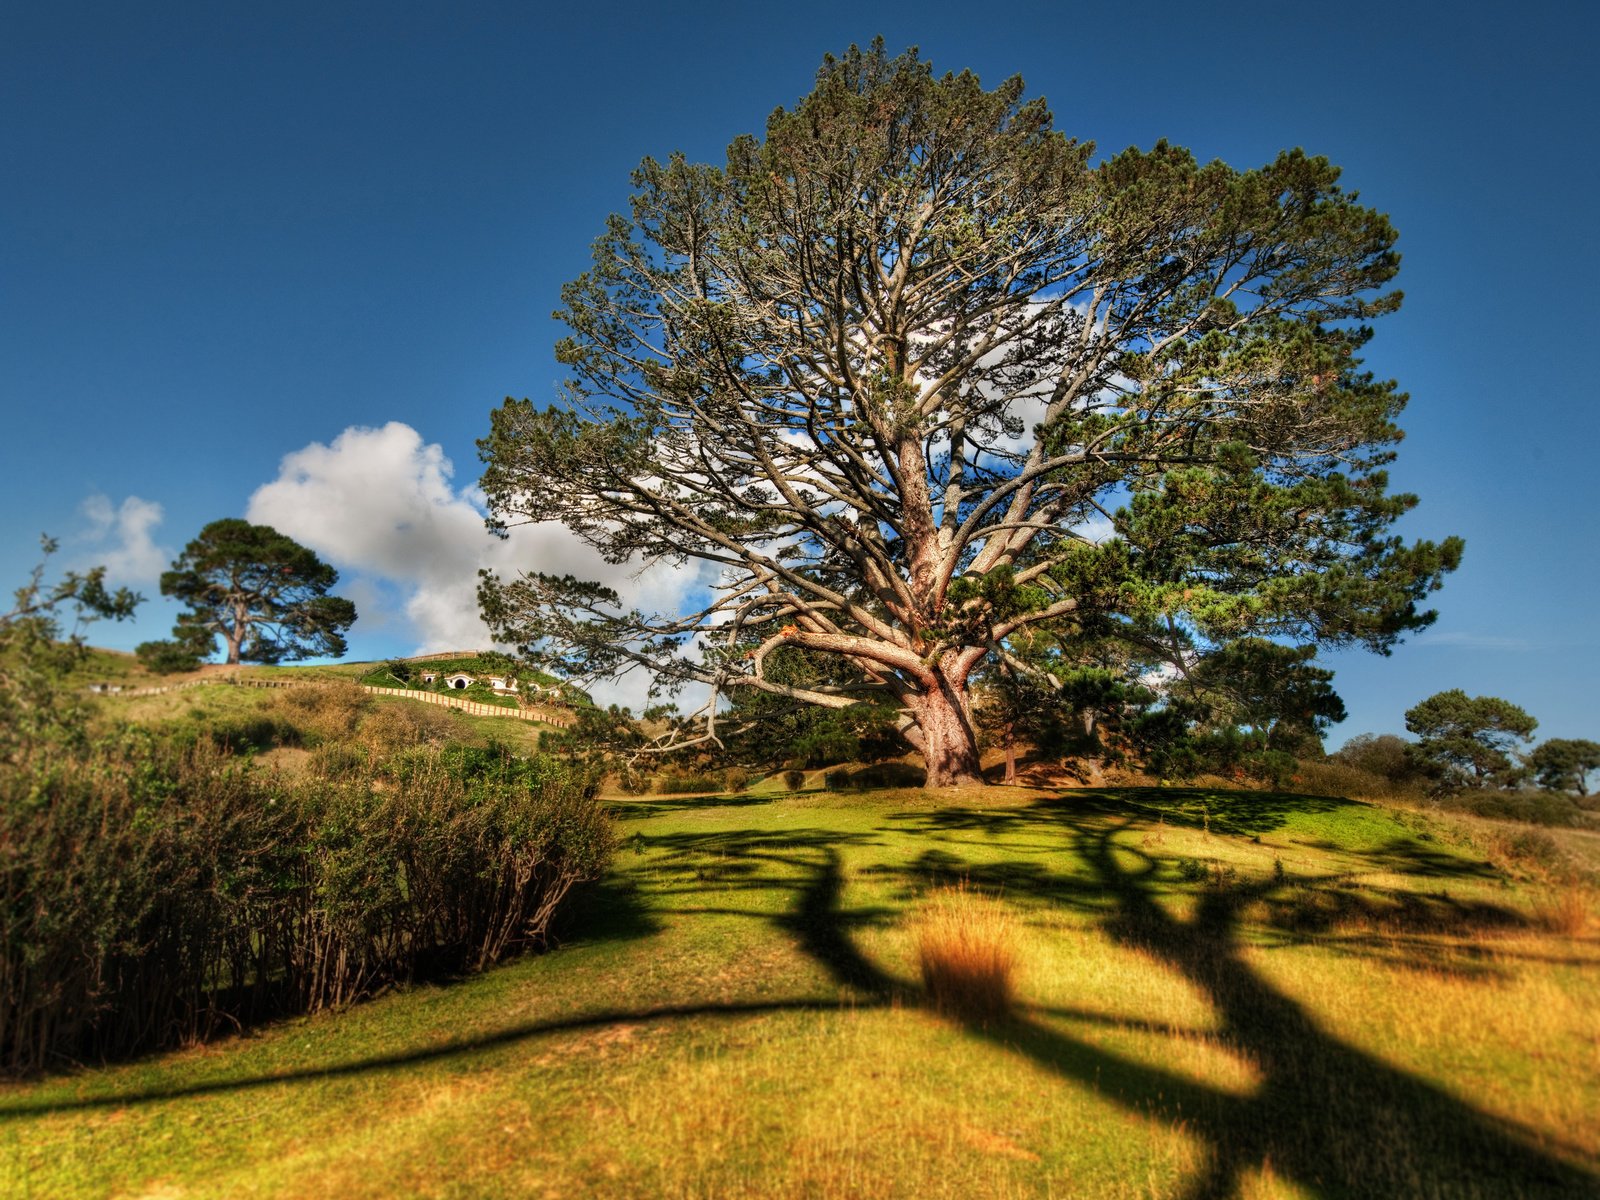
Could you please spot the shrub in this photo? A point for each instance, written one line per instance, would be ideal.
(1534, 807)
(794, 779)
(1390, 758)
(168, 658)
(335, 760)
(403, 724)
(632, 783)
(967, 955)
(679, 785)
(889, 775)
(151, 894)
(836, 780)
(735, 779)
(1337, 776)
(245, 732)
(326, 711)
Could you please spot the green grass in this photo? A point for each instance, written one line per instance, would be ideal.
(210, 703)
(1341, 1005)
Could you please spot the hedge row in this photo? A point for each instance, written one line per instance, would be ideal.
(152, 894)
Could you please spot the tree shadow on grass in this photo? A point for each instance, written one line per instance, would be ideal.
(1330, 1117)
(657, 806)
(606, 910)
(1325, 1115)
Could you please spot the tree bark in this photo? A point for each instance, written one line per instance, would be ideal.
(948, 741)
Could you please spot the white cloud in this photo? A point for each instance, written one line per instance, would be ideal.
(381, 503)
(120, 538)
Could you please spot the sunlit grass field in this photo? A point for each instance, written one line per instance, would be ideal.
(1215, 994)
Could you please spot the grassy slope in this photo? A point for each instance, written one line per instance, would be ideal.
(739, 1014)
(217, 700)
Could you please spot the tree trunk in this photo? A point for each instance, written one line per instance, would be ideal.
(948, 742)
(234, 634)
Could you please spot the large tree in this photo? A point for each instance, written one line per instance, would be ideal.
(261, 591)
(916, 373)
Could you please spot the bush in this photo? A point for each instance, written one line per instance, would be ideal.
(1191, 870)
(1384, 755)
(836, 780)
(632, 783)
(167, 658)
(247, 732)
(679, 785)
(735, 779)
(794, 779)
(152, 894)
(1337, 777)
(1534, 807)
(403, 724)
(325, 711)
(889, 775)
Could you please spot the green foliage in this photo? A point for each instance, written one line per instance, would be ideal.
(1565, 764)
(683, 784)
(152, 894)
(1384, 755)
(1518, 804)
(190, 645)
(41, 641)
(262, 592)
(598, 736)
(1272, 692)
(768, 731)
(1469, 738)
(887, 775)
(818, 365)
(1191, 870)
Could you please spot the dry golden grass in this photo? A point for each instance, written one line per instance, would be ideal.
(966, 950)
(1565, 908)
(329, 711)
(402, 724)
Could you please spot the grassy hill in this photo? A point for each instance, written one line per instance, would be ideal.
(281, 726)
(1216, 994)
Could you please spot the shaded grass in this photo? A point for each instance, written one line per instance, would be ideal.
(741, 1012)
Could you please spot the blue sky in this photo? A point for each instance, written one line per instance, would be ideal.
(283, 259)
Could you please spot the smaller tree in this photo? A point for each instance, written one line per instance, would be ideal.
(1565, 764)
(261, 591)
(36, 651)
(1274, 694)
(1469, 738)
(1384, 755)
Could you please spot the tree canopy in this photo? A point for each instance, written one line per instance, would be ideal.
(1469, 738)
(1565, 764)
(261, 591)
(38, 646)
(917, 374)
